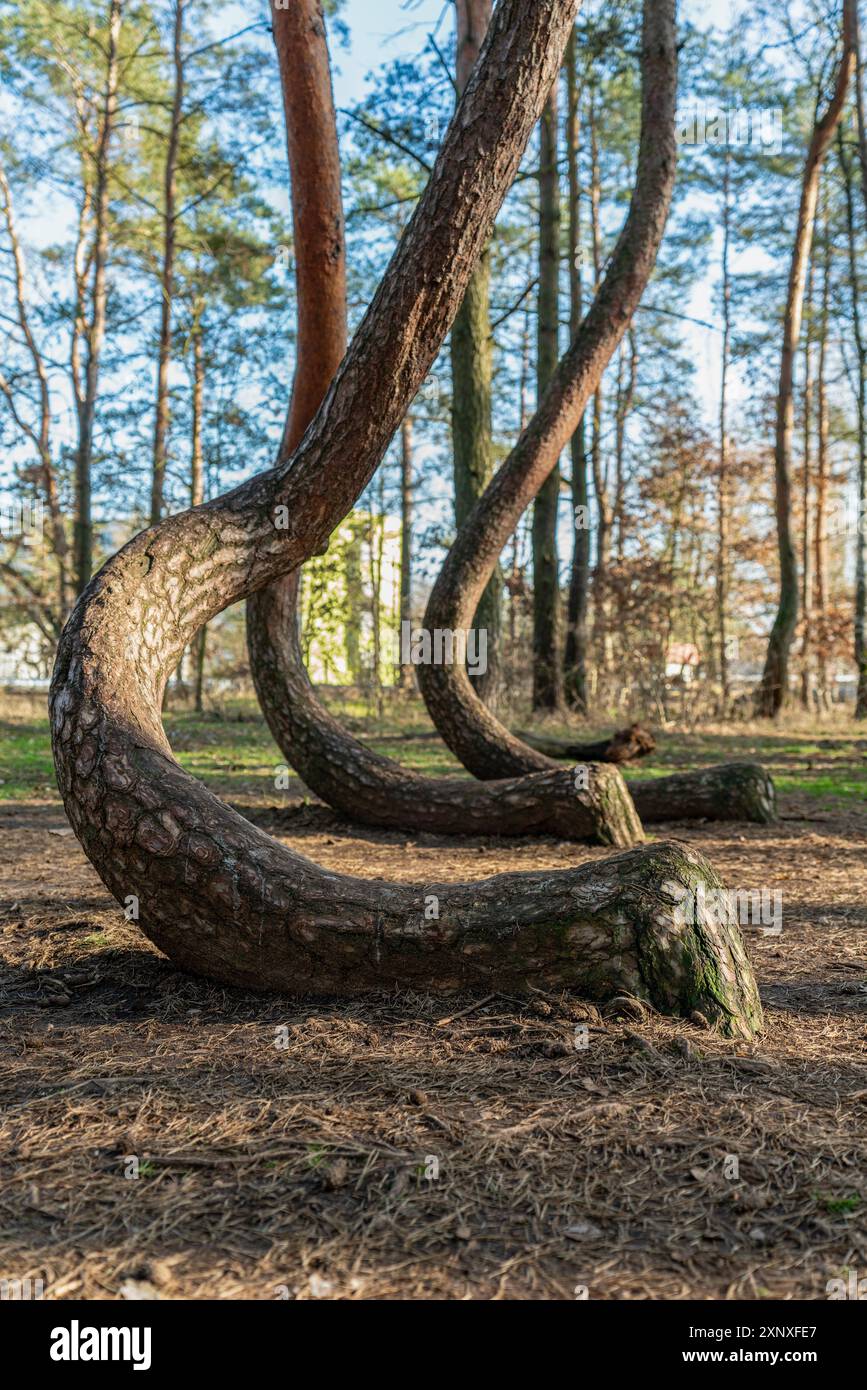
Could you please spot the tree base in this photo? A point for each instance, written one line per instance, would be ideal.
(628, 925)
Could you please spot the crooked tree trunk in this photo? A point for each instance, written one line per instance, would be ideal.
(217, 895)
(301, 41)
(483, 744)
(375, 790)
(346, 774)
(547, 673)
(772, 691)
(471, 344)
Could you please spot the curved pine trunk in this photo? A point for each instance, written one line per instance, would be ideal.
(337, 767)
(484, 745)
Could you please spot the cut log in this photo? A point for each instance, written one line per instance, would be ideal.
(375, 790)
(624, 746)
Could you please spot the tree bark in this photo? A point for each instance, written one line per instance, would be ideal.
(773, 689)
(861, 538)
(820, 529)
(197, 496)
(547, 672)
(167, 277)
(575, 646)
(404, 674)
(604, 516)
(301, 41)
(806, 498)
(215, 893)
(722, 567)
(470, 346)
(483, 744)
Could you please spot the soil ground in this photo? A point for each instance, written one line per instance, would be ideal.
(163, 1137)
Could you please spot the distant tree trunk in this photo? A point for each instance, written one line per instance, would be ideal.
(575, 650)
(404, 673)
(39, 437)
(547, 673)
(604, 518)
(722, 567)
(167, 276)
(320, 255)
(820, 533)
(197, 497)
(471, 343)
(861, 537)
(95, 331)
(772, 692)
(625, 401)
(806, 502)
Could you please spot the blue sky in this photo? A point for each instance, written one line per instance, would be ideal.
(382, 30)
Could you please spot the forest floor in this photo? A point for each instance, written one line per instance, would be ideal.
(162, 1137)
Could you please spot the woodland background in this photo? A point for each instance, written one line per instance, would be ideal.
(146, 295)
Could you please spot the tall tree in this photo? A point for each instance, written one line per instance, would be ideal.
(471, 343)
(861, 533)
(723, 483)
(771, 694)
(167, 276)
(575, 647)
(547, 671)
(406, 509)
(95, 326)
